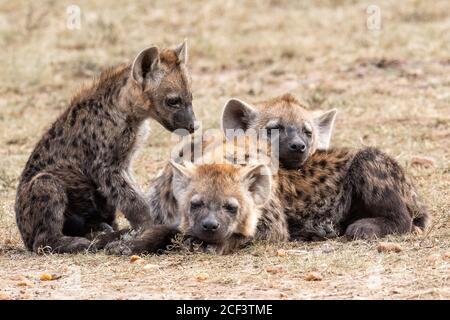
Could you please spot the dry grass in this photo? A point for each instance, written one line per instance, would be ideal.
(392, 88)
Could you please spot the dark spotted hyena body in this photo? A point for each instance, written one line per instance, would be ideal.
(80, 171)
(358, 193)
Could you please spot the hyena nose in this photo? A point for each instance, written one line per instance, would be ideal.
(210, 225)
(297, 147)
(193, 126)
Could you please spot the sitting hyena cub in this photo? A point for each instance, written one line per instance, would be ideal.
(362, 194)
(80, 171)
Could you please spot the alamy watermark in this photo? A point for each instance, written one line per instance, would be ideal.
(73, 17)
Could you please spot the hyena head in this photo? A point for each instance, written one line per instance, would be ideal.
(300, 132)
(218, 200)
(160, 87)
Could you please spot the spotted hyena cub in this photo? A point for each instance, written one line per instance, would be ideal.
(362, 194)
(282, 118)
(80, 171)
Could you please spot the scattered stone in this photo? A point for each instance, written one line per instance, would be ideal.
(313, 276)
(46, 277)
(422, 161)
(275, 269)
(281, 253)
(202, 276)
(136, 259)
(389, 247)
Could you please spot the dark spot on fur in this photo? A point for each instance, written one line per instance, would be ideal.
(323, 163)
(52, 132)
(322, 179)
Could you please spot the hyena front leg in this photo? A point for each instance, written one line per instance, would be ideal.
(40, 215)
(150, 240)
(127, 197)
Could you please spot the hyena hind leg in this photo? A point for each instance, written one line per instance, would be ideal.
(373, 228)
(378, 205)
(46, 203)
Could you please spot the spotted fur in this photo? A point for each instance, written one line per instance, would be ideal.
(80, 171)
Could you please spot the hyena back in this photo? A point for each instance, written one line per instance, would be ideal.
(80, 171)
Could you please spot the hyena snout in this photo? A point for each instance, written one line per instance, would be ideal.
(297, 146)
(293, 150)
(210, 229)
(184, 120)
(210, 224)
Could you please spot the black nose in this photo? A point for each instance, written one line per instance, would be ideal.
(192, 127)
(210, 225)
(297, 147)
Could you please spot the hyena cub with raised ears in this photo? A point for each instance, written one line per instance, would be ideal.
(299, 132)
(360, 193)
(80, 171)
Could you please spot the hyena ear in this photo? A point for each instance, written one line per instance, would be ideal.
(145, 65)
(182, 174)
(237, 115)
(258, 180)
(182, 52)
(324, 124)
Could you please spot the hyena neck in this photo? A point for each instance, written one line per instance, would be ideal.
(116, 95)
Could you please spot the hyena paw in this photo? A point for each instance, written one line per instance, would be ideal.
(104, 227)
(363, 229)
(118, 248)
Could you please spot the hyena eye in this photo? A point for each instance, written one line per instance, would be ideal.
(173, 101)
(231, 208)
(196, 204)
(307, 132)
(278, 127)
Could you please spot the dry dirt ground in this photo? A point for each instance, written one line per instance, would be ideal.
(391, 86)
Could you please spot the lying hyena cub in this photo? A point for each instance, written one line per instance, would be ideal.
(363, 194)
(297, 140)
(80, 171)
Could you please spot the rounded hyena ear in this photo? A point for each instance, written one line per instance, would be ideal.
(324, 124)
(182, 174)
(258, 180)
(145, 65)
(182, 52)
(237, 115)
